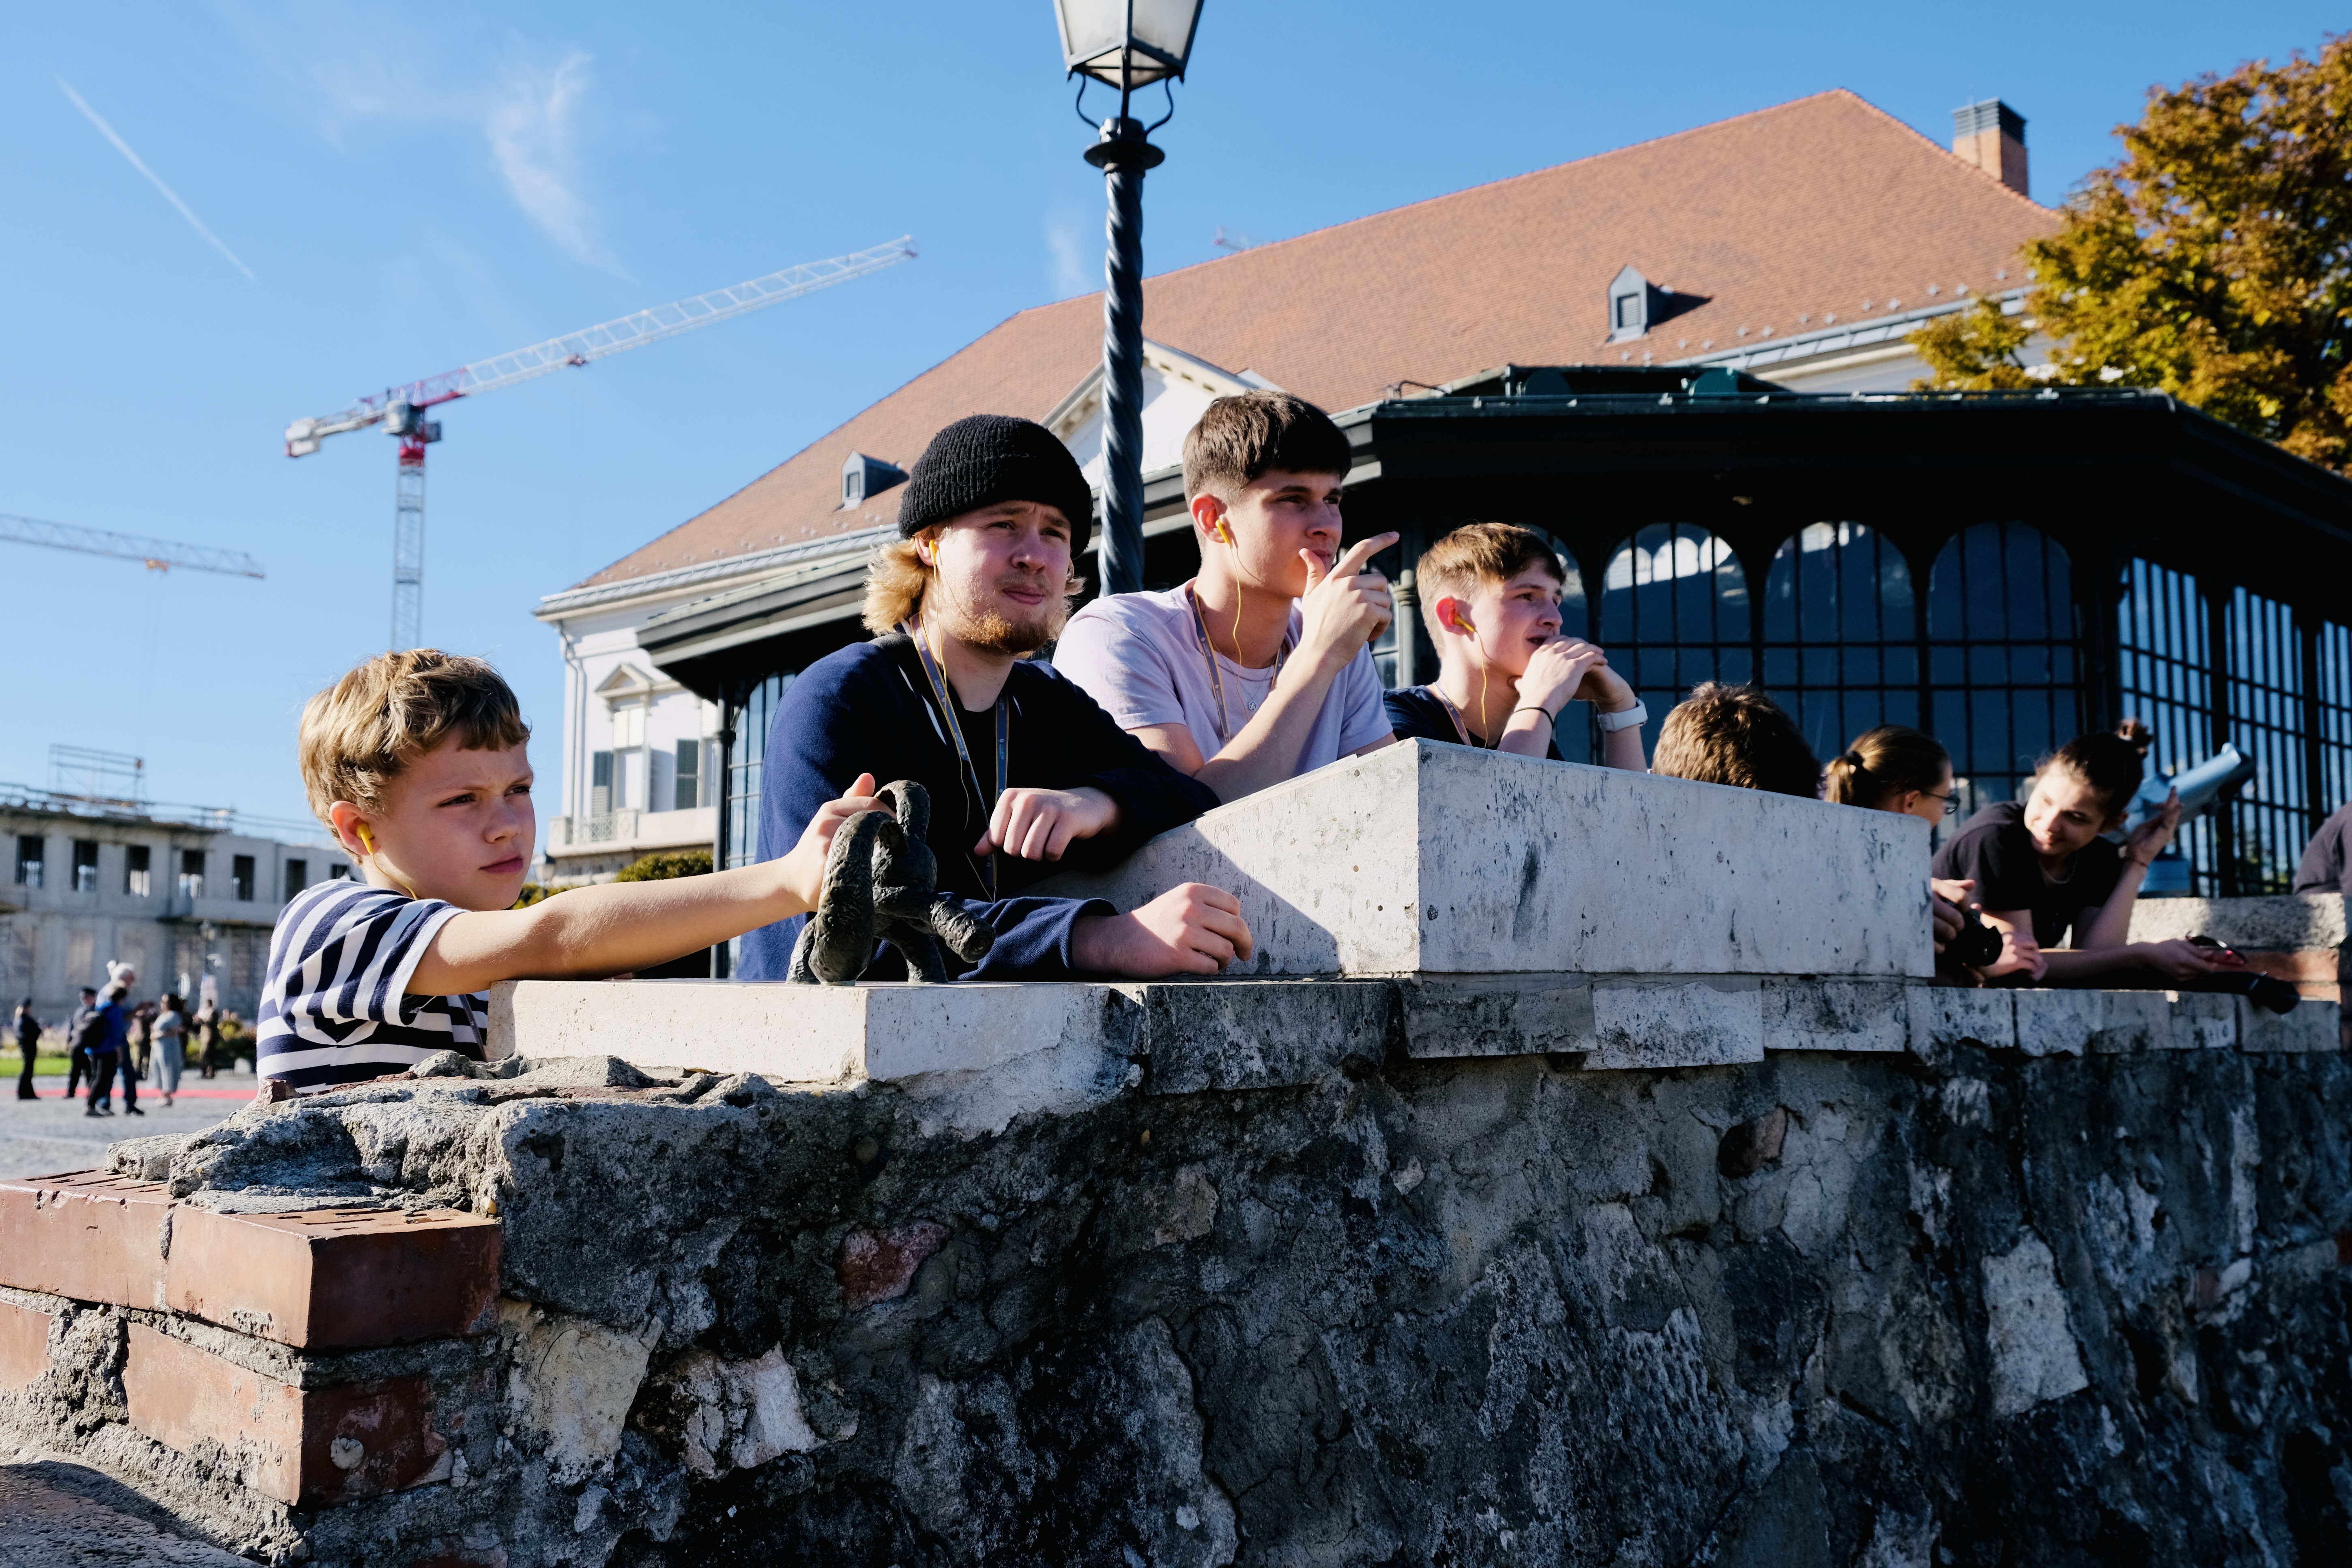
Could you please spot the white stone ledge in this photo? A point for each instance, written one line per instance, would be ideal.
(1193, 1036)
(2283, 923)
(1430, 860)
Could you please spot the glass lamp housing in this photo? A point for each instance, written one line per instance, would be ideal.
(1127, 43)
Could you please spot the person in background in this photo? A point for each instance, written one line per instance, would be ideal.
(2321, 869)
(28, 1045)
(1260, 669)
(1490, 597)
(1736, 735)
(2043, 869)
(1899, 769)
(138, 1054)
(108, 1033)
(171, 1045)
(76, 1060)
(207, 1023)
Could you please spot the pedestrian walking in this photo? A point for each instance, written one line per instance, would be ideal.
(78, 1064)
(28, 1042)
(103, 1041)
(170, 1037)
(208, 1038)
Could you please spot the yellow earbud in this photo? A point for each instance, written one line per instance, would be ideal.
(367, 839)
(1225, 534)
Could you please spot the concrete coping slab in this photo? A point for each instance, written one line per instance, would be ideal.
(1181, 1037)
(2282, 922)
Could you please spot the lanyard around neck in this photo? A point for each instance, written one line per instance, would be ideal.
(1216, 676)
(1461, 725)
(948, 703)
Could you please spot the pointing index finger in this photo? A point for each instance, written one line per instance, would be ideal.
(1352, 563)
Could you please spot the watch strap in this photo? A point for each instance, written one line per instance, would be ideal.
(1625, 719)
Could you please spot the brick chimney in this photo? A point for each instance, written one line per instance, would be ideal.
(1991, 135)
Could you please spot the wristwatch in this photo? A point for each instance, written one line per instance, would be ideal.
(1624, 718)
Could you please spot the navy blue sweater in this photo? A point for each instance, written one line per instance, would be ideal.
(866, 708)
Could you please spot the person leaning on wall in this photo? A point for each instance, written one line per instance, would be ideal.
(1490, 596)
(2041, 869)
(1896, 768)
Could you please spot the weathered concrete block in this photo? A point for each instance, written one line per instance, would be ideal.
(87, 1234)
(1836, 1015)
(1650, 1025)
(2279, 922)
(2312, 1026)
(1943, 1016)
(337, 1279)
(1256, 1034)
(2052, 1023)
(2202, 1021)
(23, 1346)
(1440, 859)
(798, 1034)
(318, 1447)
(2132, 1021)
(1496, 1015)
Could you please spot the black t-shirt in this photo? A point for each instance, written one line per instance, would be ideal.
(2322, 870)
(1416, 711)
(1994, 847)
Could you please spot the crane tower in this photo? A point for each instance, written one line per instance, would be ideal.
(401, 409)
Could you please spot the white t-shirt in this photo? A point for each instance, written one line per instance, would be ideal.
(1141, 655)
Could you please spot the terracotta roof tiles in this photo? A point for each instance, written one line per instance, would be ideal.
(1823, 205)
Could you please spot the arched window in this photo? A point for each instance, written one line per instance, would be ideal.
(2163, 638)
(2003, 656)
(1841, 634)
(1674, 612)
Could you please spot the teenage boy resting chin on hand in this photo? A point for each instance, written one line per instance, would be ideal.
(1026, 777)
(1260, 669)
(1490, 597)
(2041, 868)
(416, 761)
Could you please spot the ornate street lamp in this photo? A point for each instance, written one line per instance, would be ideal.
(1129, 44)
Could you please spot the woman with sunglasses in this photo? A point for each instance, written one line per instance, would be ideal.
(1899, 769)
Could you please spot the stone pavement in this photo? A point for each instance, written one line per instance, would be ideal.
(50, 1134)
(58, 1515)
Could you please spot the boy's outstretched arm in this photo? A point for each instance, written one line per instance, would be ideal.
(616, 927)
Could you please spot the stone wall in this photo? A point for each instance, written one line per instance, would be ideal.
(2044, 1277)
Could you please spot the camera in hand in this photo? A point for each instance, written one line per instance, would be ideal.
(1979, 945)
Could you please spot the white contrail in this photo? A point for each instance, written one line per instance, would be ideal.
(139, 163)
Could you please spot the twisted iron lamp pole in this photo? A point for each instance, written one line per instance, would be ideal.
(1122, 152)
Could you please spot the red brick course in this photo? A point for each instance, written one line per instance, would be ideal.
(317, 1447)
(337, 1279)
(89, 1234)
(23, 1346)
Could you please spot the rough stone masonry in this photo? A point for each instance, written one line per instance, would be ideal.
(1428, 1267)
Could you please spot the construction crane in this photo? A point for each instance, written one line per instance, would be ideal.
(160, 554)
(401, 409)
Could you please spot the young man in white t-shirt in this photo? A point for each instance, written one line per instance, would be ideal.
(1260, 669)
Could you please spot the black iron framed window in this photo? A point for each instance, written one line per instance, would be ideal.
(1841, 634)
(1674, 611)
(2003, 656)
(2163, 670)
(2331, 736)
(739, 821)
(2272, 818)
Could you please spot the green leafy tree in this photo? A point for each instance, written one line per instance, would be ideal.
(2212, 261)
(1975, 350)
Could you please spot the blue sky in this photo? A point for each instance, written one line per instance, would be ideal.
(371, 194)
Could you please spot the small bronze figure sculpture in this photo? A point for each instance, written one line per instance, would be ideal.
(880, 885)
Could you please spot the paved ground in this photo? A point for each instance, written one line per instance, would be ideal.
(55, 1514)
(41, 1137)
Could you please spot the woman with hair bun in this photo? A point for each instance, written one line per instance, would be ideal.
(2041, 868)
(1896, 768)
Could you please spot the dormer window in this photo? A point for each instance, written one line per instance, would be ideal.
(864, 477)
(1629, 306)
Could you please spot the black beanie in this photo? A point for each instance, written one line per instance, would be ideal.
(989, 458)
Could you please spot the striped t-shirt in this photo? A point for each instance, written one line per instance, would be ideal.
(334, 1005)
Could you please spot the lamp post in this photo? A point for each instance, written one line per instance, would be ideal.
(1129, 44)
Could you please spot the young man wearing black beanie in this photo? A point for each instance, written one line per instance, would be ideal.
(1026, 775)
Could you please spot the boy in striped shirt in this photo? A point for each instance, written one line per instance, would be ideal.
(416, 761)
